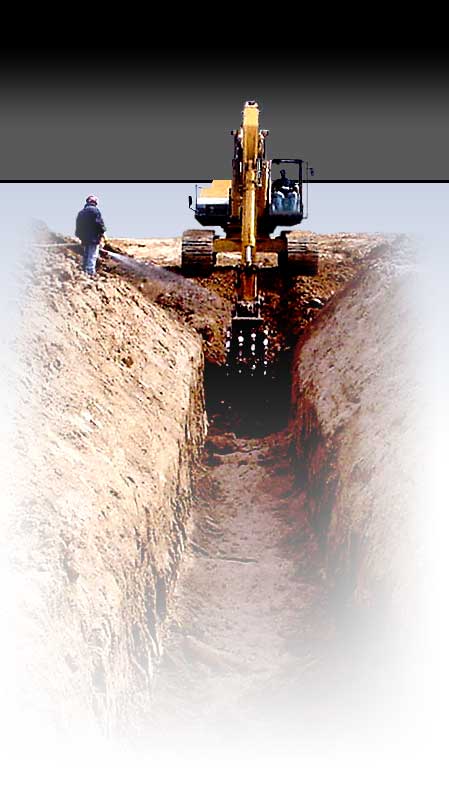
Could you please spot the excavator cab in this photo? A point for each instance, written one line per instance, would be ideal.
(285, 201)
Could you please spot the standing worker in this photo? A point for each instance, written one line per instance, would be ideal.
(90, 229)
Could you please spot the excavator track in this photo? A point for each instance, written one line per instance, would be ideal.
(301, 256)
(197, 257)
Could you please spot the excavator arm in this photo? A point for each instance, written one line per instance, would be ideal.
(250, 155)
(247, 339)
(248, 178)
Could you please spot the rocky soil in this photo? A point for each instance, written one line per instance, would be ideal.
(212, 593)
(288, 308)
(361, 425)
(110, 416)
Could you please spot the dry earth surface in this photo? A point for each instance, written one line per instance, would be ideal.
(168, 592)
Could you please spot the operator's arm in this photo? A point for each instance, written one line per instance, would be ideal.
(100, 224)
(78, 226)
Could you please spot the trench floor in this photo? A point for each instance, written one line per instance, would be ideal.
(249, 603)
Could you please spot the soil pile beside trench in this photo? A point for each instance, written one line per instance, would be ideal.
(111, 422)
(184, 592)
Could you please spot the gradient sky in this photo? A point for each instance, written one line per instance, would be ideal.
(140, 210)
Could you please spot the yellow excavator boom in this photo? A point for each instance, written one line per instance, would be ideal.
(250, 143)
(249, 208)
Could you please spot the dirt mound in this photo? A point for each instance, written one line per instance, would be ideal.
(110, 417)
(111, 424)
(200, 308)
(288, 307)
(358, 426)
(261, 633)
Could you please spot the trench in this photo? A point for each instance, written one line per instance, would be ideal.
(250, 637)
(251, 407)
(228, 626)
(242, 624)
(248, 611)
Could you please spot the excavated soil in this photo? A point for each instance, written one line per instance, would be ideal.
(110, 423)
(257, 642)
(288, 307)
(229, 616)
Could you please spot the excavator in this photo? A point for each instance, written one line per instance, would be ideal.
(249, 208)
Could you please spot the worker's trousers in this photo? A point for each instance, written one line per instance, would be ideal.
(91, 252)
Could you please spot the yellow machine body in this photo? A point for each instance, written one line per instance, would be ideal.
(249, 208)
(244, 207)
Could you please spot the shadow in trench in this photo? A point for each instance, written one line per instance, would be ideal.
(250, 407)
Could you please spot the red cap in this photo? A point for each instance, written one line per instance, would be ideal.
(92, 199)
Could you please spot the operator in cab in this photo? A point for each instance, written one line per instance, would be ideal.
(285, 193)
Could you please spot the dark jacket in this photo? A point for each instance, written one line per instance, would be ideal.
(284, 185)
(89, 225)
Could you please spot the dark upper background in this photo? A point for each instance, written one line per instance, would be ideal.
(116, 112)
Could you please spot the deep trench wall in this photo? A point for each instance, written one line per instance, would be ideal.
(110, 420)
(358, 437)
